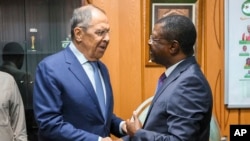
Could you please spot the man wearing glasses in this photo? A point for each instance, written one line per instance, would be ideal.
(182, 105)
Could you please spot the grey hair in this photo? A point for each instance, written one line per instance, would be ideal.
(82, 16)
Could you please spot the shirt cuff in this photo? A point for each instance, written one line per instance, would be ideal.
(120, 128)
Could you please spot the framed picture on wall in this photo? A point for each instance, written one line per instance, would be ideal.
(237, 56)
(159, 10)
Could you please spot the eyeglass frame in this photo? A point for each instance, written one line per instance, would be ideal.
(152, 40)
(100, 33)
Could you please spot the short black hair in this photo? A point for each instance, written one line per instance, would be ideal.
(181, 29)
(13, 48)
(12, 51)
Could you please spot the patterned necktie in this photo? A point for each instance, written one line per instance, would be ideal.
(99, 88)
(161, 80)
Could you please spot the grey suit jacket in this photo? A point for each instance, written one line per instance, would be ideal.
(181, 109)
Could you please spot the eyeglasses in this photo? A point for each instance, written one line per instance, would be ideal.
(101, 33)
(152, 40)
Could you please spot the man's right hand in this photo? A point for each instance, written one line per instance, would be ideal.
(133, 125)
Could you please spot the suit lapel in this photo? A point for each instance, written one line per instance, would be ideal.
(75, 67)
(172, 77)
(175, 74)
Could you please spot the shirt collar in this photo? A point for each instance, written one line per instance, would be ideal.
(170, 69)
(80, 57)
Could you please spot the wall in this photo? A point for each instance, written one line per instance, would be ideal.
(133, 82)
(213, 61)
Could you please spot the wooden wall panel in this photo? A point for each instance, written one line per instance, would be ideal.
(111, 56)
(130, 58)
(123, 56)
(214, 58)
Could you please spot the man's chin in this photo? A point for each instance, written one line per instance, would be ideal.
(152, 60)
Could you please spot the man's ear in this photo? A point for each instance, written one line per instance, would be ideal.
(78, 34)
(175, 47)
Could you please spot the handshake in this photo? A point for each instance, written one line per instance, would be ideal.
(129, 127)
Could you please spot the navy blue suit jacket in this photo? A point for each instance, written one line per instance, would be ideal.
(181, 109)
(65, 104)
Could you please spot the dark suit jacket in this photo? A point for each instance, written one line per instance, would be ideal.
(65, 103)
(181, 109)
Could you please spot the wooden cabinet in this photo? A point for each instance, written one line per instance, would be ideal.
(39, 26)
(45, 22)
